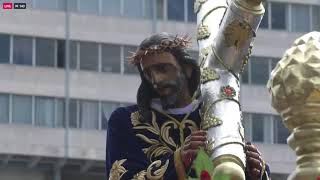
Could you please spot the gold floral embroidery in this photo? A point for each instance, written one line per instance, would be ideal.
(165, 143)
(155, 171)
(140, 175)
(117, 170)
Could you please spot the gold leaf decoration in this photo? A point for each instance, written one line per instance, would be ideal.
(203, 32)
(208, 74)
(140, 176)
(156, 171)
(237, 34)
(135, 118)
(165, 132)
(117, 170)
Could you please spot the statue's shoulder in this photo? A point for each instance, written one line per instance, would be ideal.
(121, 117)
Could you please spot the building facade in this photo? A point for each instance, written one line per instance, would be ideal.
(53, 115)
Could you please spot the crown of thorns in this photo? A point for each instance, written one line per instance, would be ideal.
(166, 44)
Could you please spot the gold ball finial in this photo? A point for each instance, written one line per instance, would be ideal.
(294, 84)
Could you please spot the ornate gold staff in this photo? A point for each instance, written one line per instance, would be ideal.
(295, 91)
(225, 35)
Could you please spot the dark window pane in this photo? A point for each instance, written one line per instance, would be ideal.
(44, 52)
(148, 9)
(45, 4)
(91, 6)
(259, 70)
(22, 50)
(89, 111)
(133, 8)
(61, 54)
(73, 113)
(300, 18)
(160, 9)
(62, 4)
(60, 113)
(245, 74)
(4, 108)
(192, 17)
(44, 111)
(5, 48)
(274, 62)
(111, 8)
(279, 15)
(264, 22)
(22, 109)
(128, 68)
(176, 10)
(107, 109)
(280, 132)
(257, 127)
(89, 56)
(316, 18)
(111, 58)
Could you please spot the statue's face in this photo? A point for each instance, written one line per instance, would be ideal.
(163, 72)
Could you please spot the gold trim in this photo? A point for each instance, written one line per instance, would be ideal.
(159, 172)
(117, 170)
(208, 74)
(180, 169)
(210, 121)
(197, 5)
(252, 6)
(237, 34)
(203, 32)
(140, 175)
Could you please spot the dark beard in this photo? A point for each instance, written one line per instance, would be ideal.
(177, 85)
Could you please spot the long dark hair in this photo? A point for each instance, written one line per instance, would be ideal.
(146, 92)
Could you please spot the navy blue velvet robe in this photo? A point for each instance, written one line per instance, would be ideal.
(136, 149)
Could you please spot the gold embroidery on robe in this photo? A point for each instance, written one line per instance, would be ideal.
(164, 143)
(140, 175)
(117, 170)
(155, 171)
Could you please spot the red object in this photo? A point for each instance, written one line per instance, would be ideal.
(205, 175)
(318, 178)
(228, 91)
(7, 6)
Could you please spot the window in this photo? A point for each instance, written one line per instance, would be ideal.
(257, 128)
(5, 48)
(89, 112)
(176, 10)
(133, 8)
(89, 56)
(107, 109)
(264, 22)
(4, 108)
(111, 58)
(148, 9)
(128, 68)
(160, 9)
(300, 18)
(73, 113)
(21, 109)
(281, 133)
(192, 17)
(316, 18)
(60, 119)
(45, 4)
(245, 74)
(259, 70)
(279, 12)
(45, 52)
(45, 112)
(61, 54)
(111, 8)
(22, 50)
(87, 6)
(246, 123)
